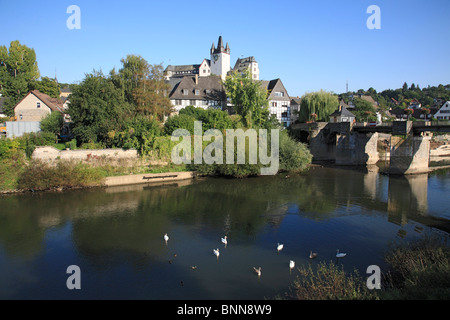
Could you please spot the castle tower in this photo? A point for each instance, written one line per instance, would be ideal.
(220, 59)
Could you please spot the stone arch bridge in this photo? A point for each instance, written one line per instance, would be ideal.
(355, 144)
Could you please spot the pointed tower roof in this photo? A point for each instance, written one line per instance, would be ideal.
(220, 44)
(220, 48)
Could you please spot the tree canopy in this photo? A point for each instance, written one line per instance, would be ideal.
(249, 99)
(18, 69)
(317, 106)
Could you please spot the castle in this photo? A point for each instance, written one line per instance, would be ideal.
(201, 85)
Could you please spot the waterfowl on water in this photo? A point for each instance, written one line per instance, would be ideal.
(258, 271)
(224, 241)
(340, 254)
(216, 252)
(279, 247)
(166, 238)
(312, 255)
(291, 264)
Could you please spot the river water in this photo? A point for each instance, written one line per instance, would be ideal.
(115, 235)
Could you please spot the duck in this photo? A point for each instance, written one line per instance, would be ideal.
(312, 255)
(166, 238)
(340, 254)
(291, 264)
(258, 271)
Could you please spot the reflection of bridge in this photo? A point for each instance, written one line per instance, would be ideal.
(346, 143)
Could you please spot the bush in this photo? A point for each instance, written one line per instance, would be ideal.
(180, 121)
(419, 269)
(72, 144)
(294, 156)
(329, 282)
(41, 175)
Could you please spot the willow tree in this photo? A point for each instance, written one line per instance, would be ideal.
(248, 97)
(317, 106)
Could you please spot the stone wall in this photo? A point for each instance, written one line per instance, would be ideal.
(48, 153)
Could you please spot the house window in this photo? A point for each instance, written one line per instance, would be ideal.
(185, 92)
(279, 94)
(38, 104)
(197, 92)
(274, 104)
(284, 115)
(204, 70)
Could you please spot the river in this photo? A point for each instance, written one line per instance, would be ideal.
(115, 235)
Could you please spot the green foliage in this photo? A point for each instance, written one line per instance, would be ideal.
(210, 118)
(364, 110)
(419, 270)
(48, 86)
(330, 282)
(249, 99)
(53, 123)
(97, 107)
(317, 106)
(139, 133)
(18, 69)
(72, 144)
(180, 121)
(294, 156)
(41, 175)
(10, 148)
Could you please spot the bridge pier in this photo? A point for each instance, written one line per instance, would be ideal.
(356, 149)
(410, 155)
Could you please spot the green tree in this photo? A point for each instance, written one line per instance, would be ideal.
(97, 109)
(320, 103)
(53, 123)
(48, 86)
(248, 98)
(151, 94)
(18, 68)
(364, 110)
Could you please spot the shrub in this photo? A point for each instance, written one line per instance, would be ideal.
(294, 156)
(329, 282)
(419, 269)
(180, 121)
(41, 175)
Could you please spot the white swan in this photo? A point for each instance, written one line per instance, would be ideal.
(224, 241)
(280, 247)
(216, 252)
(340, 255)
(312, 255)
(258, 271)
(291, 264)
(166, 238)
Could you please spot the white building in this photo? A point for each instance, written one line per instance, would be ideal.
(444, 112)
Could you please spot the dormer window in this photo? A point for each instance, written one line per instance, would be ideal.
(38, 104)
(197, 92)
(185, 92)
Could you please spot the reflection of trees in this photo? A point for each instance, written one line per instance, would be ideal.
(132, 220)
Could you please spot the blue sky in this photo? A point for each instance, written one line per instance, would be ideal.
(309, 45)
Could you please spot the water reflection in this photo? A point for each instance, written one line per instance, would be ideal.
(111, 227)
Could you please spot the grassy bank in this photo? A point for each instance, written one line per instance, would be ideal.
(21, 174)
(417, 270)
